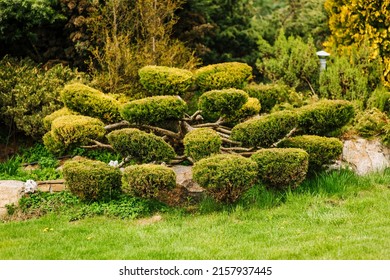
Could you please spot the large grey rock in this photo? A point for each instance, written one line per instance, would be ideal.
(184, 180)
(365, 156)
(10, 193)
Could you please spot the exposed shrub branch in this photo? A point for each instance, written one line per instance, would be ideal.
(288, 135)
(98, 145)
(115, 126)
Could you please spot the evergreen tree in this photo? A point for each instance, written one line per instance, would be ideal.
(292, 62)
(220, 30)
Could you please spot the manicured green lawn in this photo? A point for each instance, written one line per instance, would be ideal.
(333, 217)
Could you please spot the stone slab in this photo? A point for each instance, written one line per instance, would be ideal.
(10, 193)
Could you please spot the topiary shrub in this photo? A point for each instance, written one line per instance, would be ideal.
(223, 102)
(371, 122)
(249, 109)
(162, 80)
(263, 131)
(70, 131)
(59, 113)
(271, 94)
(201, 143)
(92, 180)
(223, 75)
(225, 177)
(152, 110)
(141, 146)
(148, 180)
(90, 102)
(326, 116)
(321, 150)
(280, 168)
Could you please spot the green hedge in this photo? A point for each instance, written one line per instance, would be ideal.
(270, 95)
(325, 116)
(71, 131)
(223, 102)
(201, 143)
(265, 130)
(280, 168)
(148, 180)
(152, 110)
(92, 180)
(141, 146)
(91, 102)
(225, 177)
(321, 150)
(223, 75)
(162, 80)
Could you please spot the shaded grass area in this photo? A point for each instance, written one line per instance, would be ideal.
(332, 216)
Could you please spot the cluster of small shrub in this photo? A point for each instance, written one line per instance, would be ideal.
(281, 162)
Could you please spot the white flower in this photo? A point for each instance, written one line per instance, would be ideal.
(113, 163)
(30, 186)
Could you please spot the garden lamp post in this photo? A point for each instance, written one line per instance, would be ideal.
(322, 55)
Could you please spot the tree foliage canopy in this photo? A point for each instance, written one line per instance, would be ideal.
(355, 22)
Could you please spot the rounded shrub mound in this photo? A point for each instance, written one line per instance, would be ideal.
(225, 177)
(148, 180)
(223, 75)
(249, 109)
(155, 109)
(59, 113)
(162, 80)
(92, 180)
(371, 122)
(222, 102)
(90, 102)
(326, 116)
(321, 150)
(265, 130)
(280, 168)
(141, 146)
(72, 130)
(201, 143)
(270, 94)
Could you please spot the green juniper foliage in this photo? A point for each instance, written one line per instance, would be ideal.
(148, 180)
(140, 146)
(226, 177)
(280, 168)
(201, 143)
